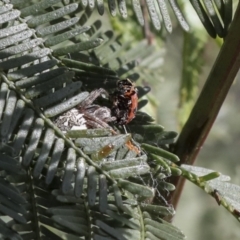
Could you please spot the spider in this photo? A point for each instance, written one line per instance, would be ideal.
(125, 102)
(86, 114)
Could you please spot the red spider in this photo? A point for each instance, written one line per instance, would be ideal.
(125, 102)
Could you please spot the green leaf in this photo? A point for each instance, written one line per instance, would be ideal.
(160, 152)
(47, 17)
(143, 191)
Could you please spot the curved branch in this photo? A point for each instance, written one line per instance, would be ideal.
(209, 102)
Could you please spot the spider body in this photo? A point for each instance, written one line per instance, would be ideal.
(86, 115)
(125, 102)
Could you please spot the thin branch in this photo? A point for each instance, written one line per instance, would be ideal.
(209, 102)
(146, 28)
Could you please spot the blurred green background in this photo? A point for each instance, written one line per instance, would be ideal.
(189, 57)
(199, 215)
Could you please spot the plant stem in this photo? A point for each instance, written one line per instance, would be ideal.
(206, 109)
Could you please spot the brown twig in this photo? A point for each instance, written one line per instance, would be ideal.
(146, 28)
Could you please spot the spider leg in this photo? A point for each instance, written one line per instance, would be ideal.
(104, 114)
(91, 97)
(125, 130)
(110, 119)
(95, 122)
